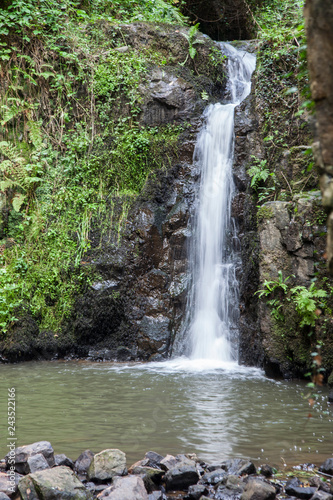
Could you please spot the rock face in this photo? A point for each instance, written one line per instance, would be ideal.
(319, 19)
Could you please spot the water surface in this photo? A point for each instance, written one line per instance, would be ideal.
(175, 407)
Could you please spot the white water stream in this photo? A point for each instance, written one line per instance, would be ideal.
(211, 320)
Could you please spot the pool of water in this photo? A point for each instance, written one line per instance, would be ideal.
(175, 407)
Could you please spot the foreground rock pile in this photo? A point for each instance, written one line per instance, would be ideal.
(33, 472)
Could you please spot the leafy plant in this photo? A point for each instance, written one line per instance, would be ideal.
(307, 304)
(191, 39)
(270, 288)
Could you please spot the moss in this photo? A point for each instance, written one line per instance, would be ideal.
(264, 213)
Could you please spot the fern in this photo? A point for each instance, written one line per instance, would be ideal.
(306, 304)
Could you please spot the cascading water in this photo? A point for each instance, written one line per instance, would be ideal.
(210, 326)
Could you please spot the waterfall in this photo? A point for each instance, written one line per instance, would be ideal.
(209, 331)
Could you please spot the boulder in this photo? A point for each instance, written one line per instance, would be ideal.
(53, 484)
(154, 459)
(125, 488)
(322, 495)
(37, 462)
(214, 477)
(327, 467)
(168, 462)
(23, 453)
(238, 467)
(107, 464)
(83, 462)
(266, 470)
(8, 483)
(181, 477)
(257, 489)
(295, 488)
(196, 491)
(3, 496)
(63, 460)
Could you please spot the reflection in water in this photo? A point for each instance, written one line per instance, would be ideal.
(217, 414)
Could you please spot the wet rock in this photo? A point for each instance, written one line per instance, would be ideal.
(239, 467)
(168, 462)
(256, 489)
(295, 488)
(3, 496)
(266, 470)
(157, 495)
(37, 462)
(23, 453)
(58, 483)
(322, 495)
(125, 488)
(9, 482)
(107, 464)
(181, 477)
(154, 332)
(151, 477)
(196, 491)
(214, 477)
(154, 459)
(327, 467)
(319, 483)
(83, 462)
(234, 483)
(63, 460)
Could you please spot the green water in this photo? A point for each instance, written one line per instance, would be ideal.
(217, 414)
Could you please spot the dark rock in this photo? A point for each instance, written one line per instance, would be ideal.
(107, 464)
(37, 462)
(212, 467)
(154, 459)
(125, 488)
(319, 483)
(322, 495)
(266, 470)
(223, 493)
(83, 462)
(63, 460)
(327, 467)
(256, 489)
(295, 488)
(23, 453)
(58, 483)
(151, 477)
(238, 467)
(168, 462)
(181, 477)
(196, 491)
(3, 496)
(214, 477)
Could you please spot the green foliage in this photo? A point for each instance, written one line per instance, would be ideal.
(259, 174)
(192, 41)
(307, 303)
(270, 290)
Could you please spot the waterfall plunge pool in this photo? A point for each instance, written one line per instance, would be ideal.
(180, 406)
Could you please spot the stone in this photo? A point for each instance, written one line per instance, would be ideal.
(37, 462)
(214, 477)
(154, 458)
(266, 470)
(168, 462)
(3, 496)
(238, 467)
(322, 495)
(58, 483)
(63, 460)
(157, 495)
(295, 488)
(151, 477)
(257, 489)
(107, 464)
(9, 482)
(195, 492)
(327, 467)
(22, 454)
(125, 488)
(181, 477)
(83, 462)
